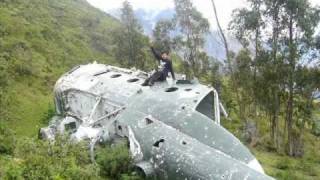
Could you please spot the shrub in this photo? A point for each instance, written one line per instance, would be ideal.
(13, 170)
(46, 160)
(115, 163)
(48, 114)
(283, 164)
(7, 140)
(287, 175)
(307, 167)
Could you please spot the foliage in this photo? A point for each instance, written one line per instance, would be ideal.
(49, 114)
(162, 35)
(192, 28)
(185, 33)
(7, 140)
(62, 159)
(273, 79)
(39, 41)
(129, 40)
(115, 162)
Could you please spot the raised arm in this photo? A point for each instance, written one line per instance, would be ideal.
(156, 54)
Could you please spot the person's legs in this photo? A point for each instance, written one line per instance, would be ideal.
(156, 76)
(146, 82)
(150, 81)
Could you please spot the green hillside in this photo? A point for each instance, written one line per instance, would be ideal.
(40, 40)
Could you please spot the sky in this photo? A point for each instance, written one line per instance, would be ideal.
(224, 7)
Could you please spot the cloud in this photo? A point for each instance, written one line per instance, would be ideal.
(224, 7)
(145, 4)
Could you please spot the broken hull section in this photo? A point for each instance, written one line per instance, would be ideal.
(173, 132)
(173, 155)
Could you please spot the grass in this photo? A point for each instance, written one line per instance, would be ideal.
(51, 45)
(31, 103)
(279, 165)
(27, 109)
(284, 167)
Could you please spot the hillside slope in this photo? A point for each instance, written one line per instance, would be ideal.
(40, 40)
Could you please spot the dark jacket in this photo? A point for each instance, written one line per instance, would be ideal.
(166, 64)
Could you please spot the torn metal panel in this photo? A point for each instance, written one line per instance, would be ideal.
(175, 155)
(173, 129)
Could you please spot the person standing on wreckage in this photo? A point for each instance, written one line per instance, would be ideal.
(164, 68)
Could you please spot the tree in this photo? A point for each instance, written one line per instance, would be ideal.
(229, 56)
(247, 25)
(301, 23)
(192, 28)
(161, 34)
(287, 28)
(128, 38)
(274, 13)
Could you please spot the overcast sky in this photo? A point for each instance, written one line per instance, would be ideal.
(224, 7)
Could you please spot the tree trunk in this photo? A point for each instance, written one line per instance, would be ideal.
(276, 97)
(275, 121)
(289, 113)
(233, 79)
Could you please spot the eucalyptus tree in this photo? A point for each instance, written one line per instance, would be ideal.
(246, 25)
(192, 29)
(282, 32)
(292, 24)
(301, 21)
(162, 34)
(129, 39)
(274, 72)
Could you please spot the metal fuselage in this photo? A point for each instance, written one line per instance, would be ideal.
(173, 130)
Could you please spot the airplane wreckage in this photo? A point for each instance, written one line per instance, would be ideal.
(173, 129)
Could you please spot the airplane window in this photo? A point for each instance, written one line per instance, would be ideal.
(70, 127)
(133, 80)
(148, 121)
(120, 128)
(115, 75)
(188, 89)
(157, 143)
(206, 106)
(180, 81)
(172, 89)
(101, 73)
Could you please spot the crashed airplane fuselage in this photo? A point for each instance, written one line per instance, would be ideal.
(173, 130)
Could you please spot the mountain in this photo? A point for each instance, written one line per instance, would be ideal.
(39, 41)
(214, 46)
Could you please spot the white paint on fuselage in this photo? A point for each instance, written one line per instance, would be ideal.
(254, 164)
